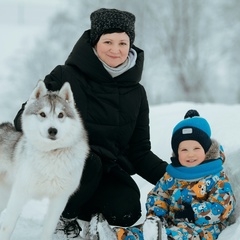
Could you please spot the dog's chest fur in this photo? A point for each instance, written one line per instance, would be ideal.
(49, 173)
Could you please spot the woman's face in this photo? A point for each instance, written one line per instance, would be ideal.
(113, 48)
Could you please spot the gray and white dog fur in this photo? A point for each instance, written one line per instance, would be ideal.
(46, 160)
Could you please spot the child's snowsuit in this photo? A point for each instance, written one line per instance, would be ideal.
(201, 197)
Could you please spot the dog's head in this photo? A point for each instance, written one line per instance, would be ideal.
(50, 119)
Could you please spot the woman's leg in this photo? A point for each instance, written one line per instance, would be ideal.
(117, 198)
(91, 177)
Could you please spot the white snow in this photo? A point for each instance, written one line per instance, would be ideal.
(224, 121)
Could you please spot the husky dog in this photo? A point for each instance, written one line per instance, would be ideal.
(45, 160)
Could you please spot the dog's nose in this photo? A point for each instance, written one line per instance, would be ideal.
(52, 132)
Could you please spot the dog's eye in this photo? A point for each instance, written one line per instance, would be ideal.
(42, 114)
(60, 115)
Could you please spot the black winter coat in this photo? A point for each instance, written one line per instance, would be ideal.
(115, 110)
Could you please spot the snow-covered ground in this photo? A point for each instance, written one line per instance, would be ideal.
(224, 120)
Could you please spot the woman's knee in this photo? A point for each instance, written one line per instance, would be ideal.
(123, 210)
(124, 218)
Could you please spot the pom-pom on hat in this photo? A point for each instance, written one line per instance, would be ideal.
(104, 20)
(193, 127)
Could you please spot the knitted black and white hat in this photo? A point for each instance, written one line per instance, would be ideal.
(193, 127)
(104, 20)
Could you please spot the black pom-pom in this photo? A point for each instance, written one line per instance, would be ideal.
(191, 113)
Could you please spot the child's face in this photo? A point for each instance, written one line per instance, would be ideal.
(190, 153)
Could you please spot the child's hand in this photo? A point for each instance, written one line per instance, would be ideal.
(187, 212)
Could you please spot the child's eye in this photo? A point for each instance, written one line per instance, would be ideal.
(197, 148)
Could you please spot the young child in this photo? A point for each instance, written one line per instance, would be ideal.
(194, 199)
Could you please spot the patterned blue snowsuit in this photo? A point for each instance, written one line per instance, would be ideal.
(205, 188)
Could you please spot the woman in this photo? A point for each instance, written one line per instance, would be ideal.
(104, 70)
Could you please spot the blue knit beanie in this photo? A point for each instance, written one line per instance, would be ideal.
(106, 20)
(193, 127)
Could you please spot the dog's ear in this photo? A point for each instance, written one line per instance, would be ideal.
(66, 93)
(39, 91)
